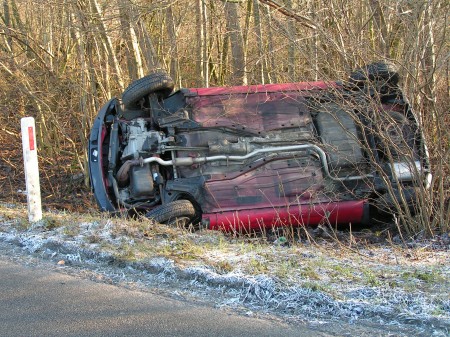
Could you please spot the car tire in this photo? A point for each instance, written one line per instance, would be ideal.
(159, 82)
(172, 212)
(378, 71)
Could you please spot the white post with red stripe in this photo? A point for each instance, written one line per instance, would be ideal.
(30, 160)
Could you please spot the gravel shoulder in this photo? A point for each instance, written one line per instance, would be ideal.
(341, 283)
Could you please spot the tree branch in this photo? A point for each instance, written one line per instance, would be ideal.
(303, 20)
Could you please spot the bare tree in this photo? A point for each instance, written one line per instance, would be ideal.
(129, 42)
(201, 38)
(238, 61)
(59, 60)
(107, 42)
(261, 75)
(173, 54)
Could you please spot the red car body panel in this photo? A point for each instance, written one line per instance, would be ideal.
(294, 215)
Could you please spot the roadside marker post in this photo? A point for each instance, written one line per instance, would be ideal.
(30, 160)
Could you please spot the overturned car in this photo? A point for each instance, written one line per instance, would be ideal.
(252, 157)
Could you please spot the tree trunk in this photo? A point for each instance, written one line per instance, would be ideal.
(270, 57)
(126, 38)
(172, 36)
(291, 44)
(260, 64)
(238, 62)
(145, 42)
(199, 25)
(8, 24)
(107, 44)
(202, 65)
(380, 24)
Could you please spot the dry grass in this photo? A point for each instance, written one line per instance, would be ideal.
(308, 277)
(332, 265)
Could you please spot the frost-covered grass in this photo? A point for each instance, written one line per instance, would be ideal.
(321, 279)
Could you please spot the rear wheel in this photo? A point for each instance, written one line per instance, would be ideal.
(378, 71)
(158, 82)
(380, 78)
(174, 212)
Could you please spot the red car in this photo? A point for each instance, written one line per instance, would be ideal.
(249, 157)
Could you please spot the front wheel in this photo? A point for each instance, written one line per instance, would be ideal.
(159, 82)
(174, 212)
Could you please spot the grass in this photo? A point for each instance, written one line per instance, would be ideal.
(314, 286)
(325, 266)
(370, 277)
(315, 272)
(342, 271)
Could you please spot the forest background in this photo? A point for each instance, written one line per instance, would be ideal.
(60, 60)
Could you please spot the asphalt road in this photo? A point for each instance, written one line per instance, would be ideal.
(39, 302)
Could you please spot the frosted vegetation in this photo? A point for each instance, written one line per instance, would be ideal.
(316, 278)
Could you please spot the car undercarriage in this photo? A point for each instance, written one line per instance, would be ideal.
(252, 157)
